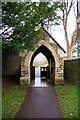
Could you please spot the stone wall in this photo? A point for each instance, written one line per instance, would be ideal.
(72, 70)
(26, 58)
(11, 65)
(21, 64)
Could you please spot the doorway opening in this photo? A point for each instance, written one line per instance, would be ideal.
(42, 66)
(40, 63)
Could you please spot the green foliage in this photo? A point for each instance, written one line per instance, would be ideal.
(22, 23)
(40, 63)
(71, 71)
(68, 101)
(78, 46)
(75, 50)
(19, 26)
(12, 99)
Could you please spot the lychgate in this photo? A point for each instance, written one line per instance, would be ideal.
(54, 54)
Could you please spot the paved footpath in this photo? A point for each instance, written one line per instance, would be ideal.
(41, 102)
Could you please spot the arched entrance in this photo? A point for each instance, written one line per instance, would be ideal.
(55, 63)
(40, 63)
(50, 69)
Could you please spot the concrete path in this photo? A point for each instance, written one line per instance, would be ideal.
(40, 103)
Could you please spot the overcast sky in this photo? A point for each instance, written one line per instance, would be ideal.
(58, 34)
(40, 57)
(57, 31)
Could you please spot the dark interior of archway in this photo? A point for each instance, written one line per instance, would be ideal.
(51, 68)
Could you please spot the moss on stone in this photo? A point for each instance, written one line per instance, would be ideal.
(24, 81)
(59, 80)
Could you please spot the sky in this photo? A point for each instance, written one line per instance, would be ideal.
(58, 34)
(57, 31)
(40, 57)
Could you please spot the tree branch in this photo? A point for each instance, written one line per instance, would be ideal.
(70, 8)
(6, 30)
(74, 38)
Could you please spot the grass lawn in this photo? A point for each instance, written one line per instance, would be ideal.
(0, 102)
(68, 100)
(12, 98)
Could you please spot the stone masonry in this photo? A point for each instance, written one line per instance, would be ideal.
(57, 53)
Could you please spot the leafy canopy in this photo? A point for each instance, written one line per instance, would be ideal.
(21, 23)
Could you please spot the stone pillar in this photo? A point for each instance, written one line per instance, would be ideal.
(59, 78)
(24, 70)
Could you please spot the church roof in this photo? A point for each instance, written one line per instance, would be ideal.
(54, 40)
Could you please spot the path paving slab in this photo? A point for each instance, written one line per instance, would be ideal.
(41, 102)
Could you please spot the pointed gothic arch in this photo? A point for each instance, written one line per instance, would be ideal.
(51, 62)
(52, 53)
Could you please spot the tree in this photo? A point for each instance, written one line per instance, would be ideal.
(19, 26)
(21, 23)
(68, 5)
(78, 26)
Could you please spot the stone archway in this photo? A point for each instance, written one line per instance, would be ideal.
(27, 58)
(51, 62)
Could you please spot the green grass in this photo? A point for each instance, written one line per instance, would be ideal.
(0, 103)
(12, 99)
(68, 100)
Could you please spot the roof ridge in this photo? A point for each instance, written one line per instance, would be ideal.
(54, 39)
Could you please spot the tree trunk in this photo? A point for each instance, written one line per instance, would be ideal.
(66, 12)
(69, 52)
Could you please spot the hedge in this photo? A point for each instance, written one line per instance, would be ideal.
(72, 70)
